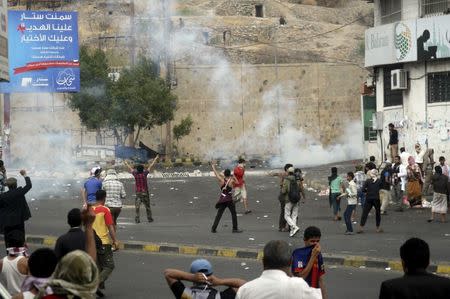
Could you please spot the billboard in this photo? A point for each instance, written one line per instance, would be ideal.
(391, 43)
(43, 52)
(433, 38)
(4, 73)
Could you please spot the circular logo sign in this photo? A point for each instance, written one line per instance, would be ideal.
(403, 40)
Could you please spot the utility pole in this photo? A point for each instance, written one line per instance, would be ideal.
(132, 58)
(277, 89)
(166, 73)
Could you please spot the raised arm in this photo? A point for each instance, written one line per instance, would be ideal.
(128, 166)
(88, 217)
(235, 283)
(153, 163)
(27, 182)
(173, 275)
(218, 175)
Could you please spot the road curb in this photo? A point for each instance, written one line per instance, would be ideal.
(241, 253)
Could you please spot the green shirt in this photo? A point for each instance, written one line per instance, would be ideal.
(335, 185)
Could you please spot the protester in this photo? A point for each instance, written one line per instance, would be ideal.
(404, 156)
(335, 183)
(393, 141)
(351, 194)
(201, 274)
(75, 238)
(398, 183)
(360, 179)
(14, 266)
(90, 187)
(142, 196)
(413, 188)
(372, 190)
(41, 264)
(275, 281)
(428, 166)
(419, 154)
(291, 204)
(417, 282)
(445, 168)
(385, 187)
(240, 190)
(226, 182)
(75, 276)
(370, 165)
(2, 176)
(307, 262)
(104, 227)
(441, 189)
(14, 210)
(115, 193)
(282, 224)
(299, 178)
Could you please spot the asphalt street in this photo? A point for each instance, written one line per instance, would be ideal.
(183, 209)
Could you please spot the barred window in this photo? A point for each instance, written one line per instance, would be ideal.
(391, 97)
(435, 7)
(391, 11)
(439, 87)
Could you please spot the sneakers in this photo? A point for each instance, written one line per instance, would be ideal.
(137, 220)
(247, 212)
(150, 220)
(213, 231)
(237, 231)
(294, 231)
(349, 233)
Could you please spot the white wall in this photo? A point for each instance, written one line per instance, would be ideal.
(416, 120)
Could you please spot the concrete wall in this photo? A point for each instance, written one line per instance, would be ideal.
(417, 121)
(234, 108)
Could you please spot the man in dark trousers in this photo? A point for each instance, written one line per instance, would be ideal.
(14, 210)
(417, 283)
(393, 141)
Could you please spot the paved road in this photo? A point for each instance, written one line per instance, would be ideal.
(139, 274)
(184, 210)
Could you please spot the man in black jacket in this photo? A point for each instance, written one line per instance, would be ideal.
(14, 210)
(417, 283)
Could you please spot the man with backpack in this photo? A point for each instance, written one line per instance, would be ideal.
(201, 274)
(291, 191)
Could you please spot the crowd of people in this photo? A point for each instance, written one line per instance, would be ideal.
(83, 258)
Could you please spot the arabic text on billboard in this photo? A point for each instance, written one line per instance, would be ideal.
(43, 47)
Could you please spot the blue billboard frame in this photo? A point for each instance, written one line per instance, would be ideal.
(43, 52)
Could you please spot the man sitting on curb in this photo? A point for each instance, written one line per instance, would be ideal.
(201, 275)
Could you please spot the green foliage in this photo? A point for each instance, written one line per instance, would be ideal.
(141, 98)
(183, 128)
(93, 102)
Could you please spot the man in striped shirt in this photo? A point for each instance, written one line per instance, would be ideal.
(142, 196)
(115, 192)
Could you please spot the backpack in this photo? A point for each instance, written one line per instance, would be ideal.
(294, 192)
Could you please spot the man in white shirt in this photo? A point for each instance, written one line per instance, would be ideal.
(275, 281)
(404, 155)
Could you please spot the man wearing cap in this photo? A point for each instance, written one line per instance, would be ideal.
(115, 192)
(239, 187)
(91, 186)
(201, 274)
(14, 210)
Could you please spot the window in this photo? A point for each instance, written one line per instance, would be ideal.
(391, 11)
(439, 87)
(391, 97)
(369, 108)
(435, 7)
(259, 11)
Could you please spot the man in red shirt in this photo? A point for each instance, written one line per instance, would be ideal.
(104, 227)
(140, 176)
(239, 187)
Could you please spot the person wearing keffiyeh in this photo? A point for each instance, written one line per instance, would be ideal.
(75, 277)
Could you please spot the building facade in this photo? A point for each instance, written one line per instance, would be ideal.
(412, 36)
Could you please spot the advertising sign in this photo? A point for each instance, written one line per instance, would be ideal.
(4, 73)
(433, 38)
(391, 43)
(43, 52)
